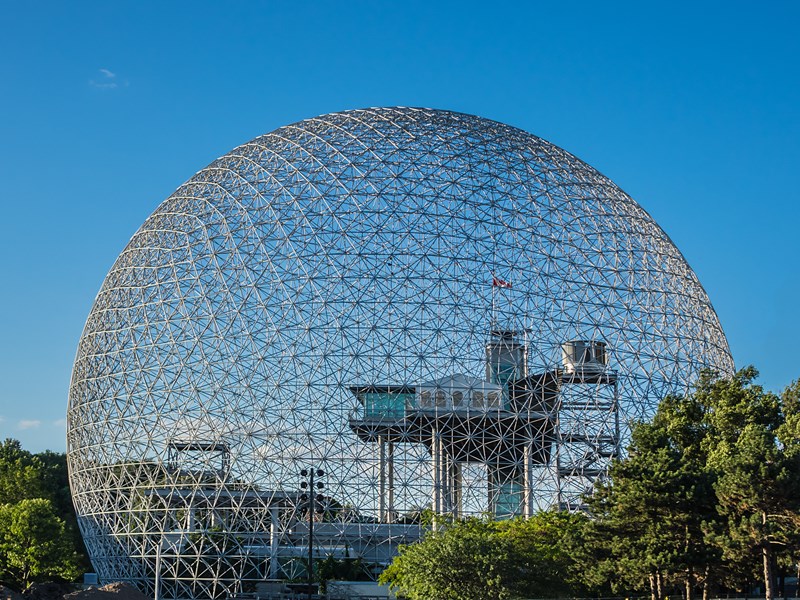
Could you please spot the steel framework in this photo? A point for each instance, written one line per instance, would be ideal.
(441, 311)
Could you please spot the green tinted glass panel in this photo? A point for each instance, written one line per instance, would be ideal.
(385, 404)
(508, 500)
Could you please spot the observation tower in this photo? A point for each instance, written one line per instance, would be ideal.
(511, 423)
(438, 311)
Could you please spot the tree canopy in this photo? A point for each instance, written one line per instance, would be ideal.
(39, 535)
(709, 493)
(486, 560)
(33, 545)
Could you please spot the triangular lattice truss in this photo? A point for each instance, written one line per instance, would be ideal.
(383, 294)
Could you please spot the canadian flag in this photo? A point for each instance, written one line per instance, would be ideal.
(497, 282)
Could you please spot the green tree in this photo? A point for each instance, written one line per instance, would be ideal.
(33, 545)
(54, 479)
(649, 517)
(20, 473)
(709, 486)
(544, 546)
(54, 483)
(752, 447)
(488, 560)
(460, 561)
(25, 476)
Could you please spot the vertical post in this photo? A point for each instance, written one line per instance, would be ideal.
(273, 543)
(617, 451)
(157, 591)
(455, 488)
(437, 485)
(527, 492)
(552, 439)
(490, 495)
(310, 531)
(444, 478)
(559, 440)
(311, 497)
(382, 479)
(390, 481)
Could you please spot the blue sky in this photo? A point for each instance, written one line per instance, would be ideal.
(106, 107)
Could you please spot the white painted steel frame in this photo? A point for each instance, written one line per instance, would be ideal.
(352, 249)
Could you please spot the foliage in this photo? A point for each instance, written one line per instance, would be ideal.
(650, 515)
(545, 544)
(24, 477)
(462, 561)
(20, 473)
(33, 545)
(480, 559)
(54, 478)
(758, 479)
(709, 492)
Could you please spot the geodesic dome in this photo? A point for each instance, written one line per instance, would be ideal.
(438, 311)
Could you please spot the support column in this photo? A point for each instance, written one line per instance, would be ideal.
(436, 456)
(381, 479)
(617, 441)
(559, 445)
(441, 475)
(455, 489)
(390, 482)
(491, 499)
(274, 542)
(527, 491)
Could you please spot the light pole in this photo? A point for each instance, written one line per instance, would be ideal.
(308, 500)
(157, 594)
(162, 541)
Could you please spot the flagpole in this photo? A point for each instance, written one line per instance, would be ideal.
(503, 284)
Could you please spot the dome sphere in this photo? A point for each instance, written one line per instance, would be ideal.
(339, 266)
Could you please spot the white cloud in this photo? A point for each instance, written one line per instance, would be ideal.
(59, 423)
(107, 81)
(29, 424)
